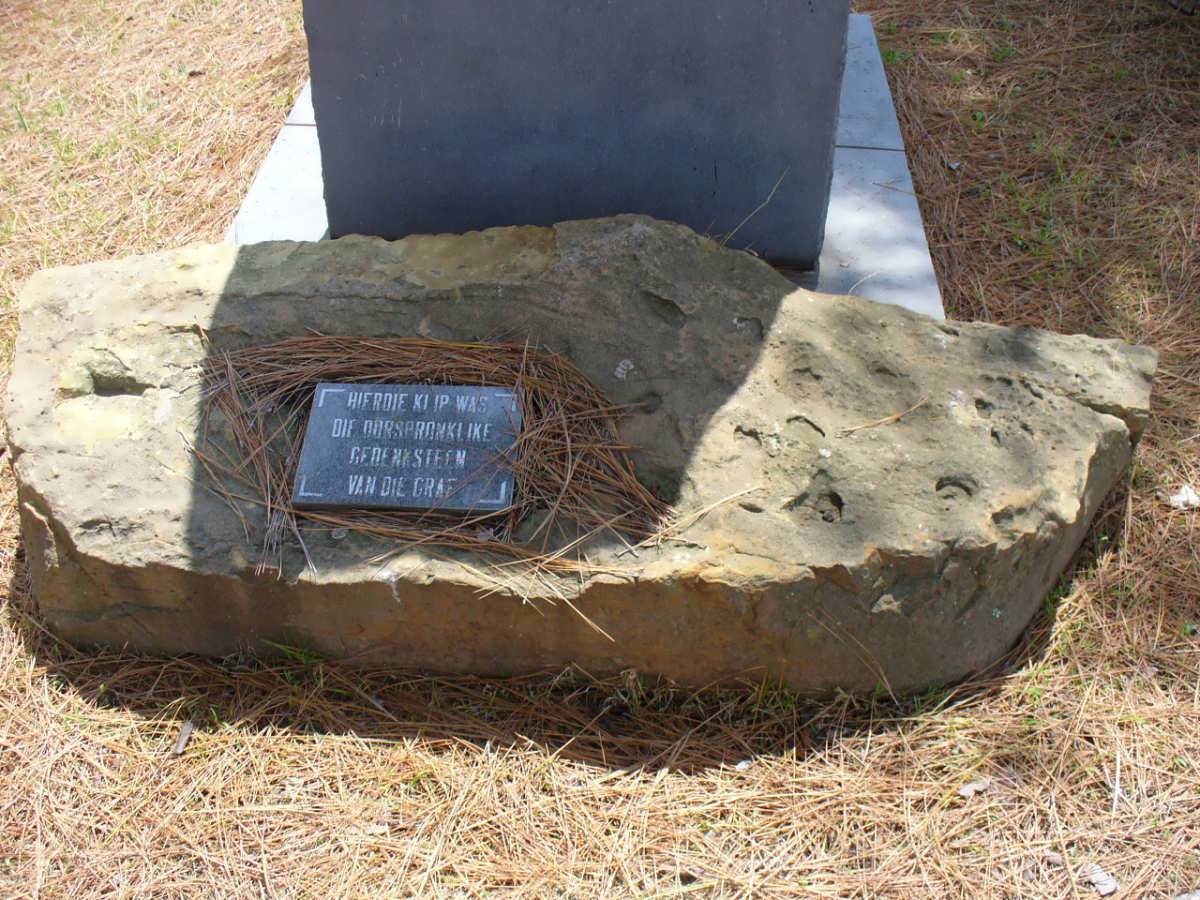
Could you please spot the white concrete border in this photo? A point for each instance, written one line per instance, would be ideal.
(875, 243)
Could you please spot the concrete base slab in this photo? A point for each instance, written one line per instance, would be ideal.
(302, 113)
(875, 246)
(285, 202)
(866, 117)
(875, 243)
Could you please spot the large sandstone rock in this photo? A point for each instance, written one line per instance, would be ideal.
(909, 553)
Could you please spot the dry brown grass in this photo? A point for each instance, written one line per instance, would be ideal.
(1076, 205)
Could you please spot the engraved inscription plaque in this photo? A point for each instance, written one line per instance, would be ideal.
(409, 446)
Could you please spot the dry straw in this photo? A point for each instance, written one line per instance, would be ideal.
(572, 471)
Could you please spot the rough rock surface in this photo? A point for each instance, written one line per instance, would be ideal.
(909, 553)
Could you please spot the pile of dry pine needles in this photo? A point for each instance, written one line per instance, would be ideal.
(571, 468)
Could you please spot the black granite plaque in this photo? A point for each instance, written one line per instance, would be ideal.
(409, 446)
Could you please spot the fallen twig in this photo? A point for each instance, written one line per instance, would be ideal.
(887, 420)
(185, 735)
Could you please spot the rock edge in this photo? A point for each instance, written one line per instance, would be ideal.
(905, 554)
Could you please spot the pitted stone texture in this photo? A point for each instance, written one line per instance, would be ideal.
(909, 553)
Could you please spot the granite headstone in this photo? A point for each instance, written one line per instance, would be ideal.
(456, 115)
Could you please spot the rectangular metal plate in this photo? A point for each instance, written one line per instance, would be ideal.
(409, 446)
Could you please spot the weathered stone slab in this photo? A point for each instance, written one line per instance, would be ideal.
(910, 552)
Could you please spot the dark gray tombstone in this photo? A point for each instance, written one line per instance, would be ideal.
(405, 446)
(455, 115)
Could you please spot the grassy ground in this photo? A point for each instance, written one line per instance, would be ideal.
(1056, 153)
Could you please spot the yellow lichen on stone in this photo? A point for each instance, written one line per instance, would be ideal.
(90, 421)
(449, 261)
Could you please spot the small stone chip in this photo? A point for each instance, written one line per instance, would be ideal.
(1104, 883)
(978, 786)
(886, 603)
(1185, 498)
